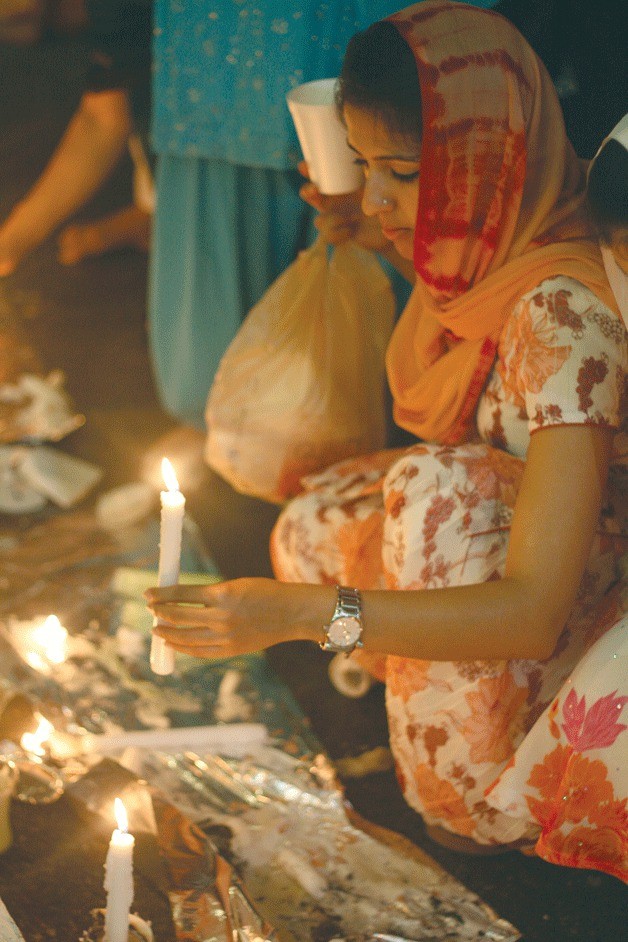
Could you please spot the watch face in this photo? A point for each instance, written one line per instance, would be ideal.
(344, 631)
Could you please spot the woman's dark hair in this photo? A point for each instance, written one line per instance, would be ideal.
(607, 190)
(379, 75)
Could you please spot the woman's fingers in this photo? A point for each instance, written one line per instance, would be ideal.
(310, 195)
(192, 637)
(204, 641)
(190, 615)
(340, 216)
(7, 266)
(209, 652)
(207, 648)
(199, 594)
(344, 204)
(336, 229)
(227, 618)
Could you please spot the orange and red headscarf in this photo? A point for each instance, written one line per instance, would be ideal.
(501, 208)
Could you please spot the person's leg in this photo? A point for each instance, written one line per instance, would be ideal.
(222, 234)
(455, 726)
(570, 773)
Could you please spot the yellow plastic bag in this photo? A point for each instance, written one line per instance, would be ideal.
(302, 384)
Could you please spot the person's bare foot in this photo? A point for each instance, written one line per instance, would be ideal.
(7, 267)
(127, 228)
(18, 237)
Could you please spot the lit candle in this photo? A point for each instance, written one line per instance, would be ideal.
(44, 644)
(34, 742)
(172, 513)
(48, 743)
(119, 878)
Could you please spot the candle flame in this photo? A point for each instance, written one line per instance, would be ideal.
(122, 819)
(51, 638)
(33, 742)
(169, 476)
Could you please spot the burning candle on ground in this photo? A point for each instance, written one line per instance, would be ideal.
(172, 514)
(44, 644)
(38, 782)
(119, 878)
(49, 744)
(33, 743)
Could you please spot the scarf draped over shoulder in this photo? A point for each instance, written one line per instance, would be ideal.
(501, 208)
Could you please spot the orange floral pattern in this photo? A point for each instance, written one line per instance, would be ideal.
(408, 677)
(590, 848)
(442, 801)
(439, 515)
(579, 801)
(496, 719)
(560, 361)
(530, 338)
(355, 540)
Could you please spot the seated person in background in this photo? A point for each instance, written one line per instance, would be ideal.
(119, 36)
(607, 196)
(476, 566)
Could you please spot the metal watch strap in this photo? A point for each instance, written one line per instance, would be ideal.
(348, 606)
(348, 602)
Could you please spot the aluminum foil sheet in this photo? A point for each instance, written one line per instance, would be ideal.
(308, 869)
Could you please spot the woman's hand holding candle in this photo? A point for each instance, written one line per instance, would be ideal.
(239, 616)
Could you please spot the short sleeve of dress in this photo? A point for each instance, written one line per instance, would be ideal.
(564, 357)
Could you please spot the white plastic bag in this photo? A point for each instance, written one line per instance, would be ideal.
(302, 384)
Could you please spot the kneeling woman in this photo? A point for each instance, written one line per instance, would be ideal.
(480, 562)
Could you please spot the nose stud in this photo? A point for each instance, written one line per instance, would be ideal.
(384, 201)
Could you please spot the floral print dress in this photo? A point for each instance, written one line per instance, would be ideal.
(433, 516)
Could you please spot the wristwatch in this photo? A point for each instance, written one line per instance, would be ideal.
(344, 631)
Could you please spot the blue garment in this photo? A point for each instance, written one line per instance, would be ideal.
(222, 234)
(223, 69)
(220, 82)
(228, 217)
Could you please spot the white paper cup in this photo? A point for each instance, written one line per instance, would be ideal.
(323, 137)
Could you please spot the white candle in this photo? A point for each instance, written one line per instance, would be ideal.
(172, 513)
(119, 878)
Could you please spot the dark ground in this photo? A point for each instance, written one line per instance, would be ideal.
(90, 322)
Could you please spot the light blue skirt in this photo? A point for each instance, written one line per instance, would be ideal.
(222, 234)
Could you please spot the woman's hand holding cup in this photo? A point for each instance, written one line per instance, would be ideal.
(341, 218)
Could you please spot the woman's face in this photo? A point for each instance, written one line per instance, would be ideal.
(391, 164)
